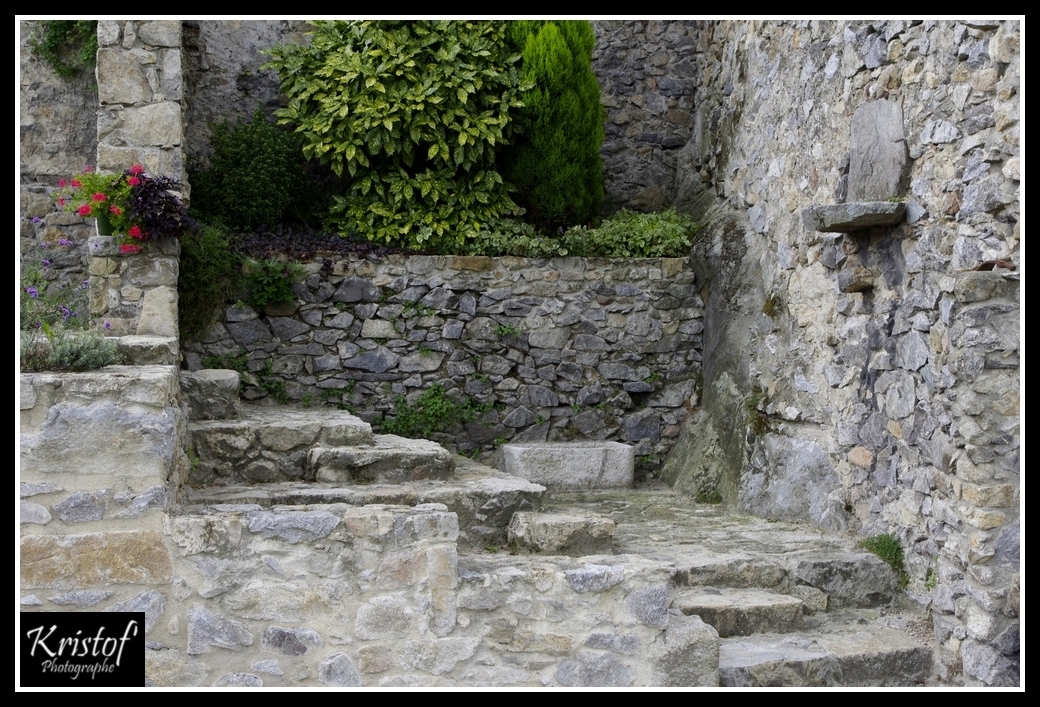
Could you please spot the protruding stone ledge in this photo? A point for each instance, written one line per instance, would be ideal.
(857, 216)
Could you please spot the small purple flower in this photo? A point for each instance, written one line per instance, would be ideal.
(65, 241)
(86, 284)
(32, 292)
(37, 219)
(65, 313)
(44, 245)
(46, 263)
(108, 325)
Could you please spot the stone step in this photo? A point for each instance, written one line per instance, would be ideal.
(269, 444)
(484, 499)
(390, 460)
(825, 580)
(740, 612)
(836, 652)
(574, 533)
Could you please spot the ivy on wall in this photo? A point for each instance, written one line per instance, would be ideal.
(67, 46)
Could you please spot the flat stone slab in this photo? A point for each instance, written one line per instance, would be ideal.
(390, 460)
(860, 655)
(855, 216)
(571, 465)
(576, 533)
(741, 612)
(483, 498)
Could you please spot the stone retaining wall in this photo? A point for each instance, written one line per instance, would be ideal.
(569, 348)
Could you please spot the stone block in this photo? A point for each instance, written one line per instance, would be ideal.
(390, 460)
(849, 579)
(149, 350)
(95, 560)
(741, 612)
(878, 155)
(688, 655)
(571, 533)
(212, 394)
(571, 465)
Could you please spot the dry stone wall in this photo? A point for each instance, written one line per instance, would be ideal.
(569, 348)
(867, 380)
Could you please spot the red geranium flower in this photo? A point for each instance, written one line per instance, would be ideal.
(133, 181)
(136, 169)
(84, 210)
(115, 210)
(98, 196)
(88, 169)
(62, 182)
(135, 232)
(75, 183)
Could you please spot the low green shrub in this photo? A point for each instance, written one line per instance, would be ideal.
(58, 349)
(256, 175)
(628, 234)
(410, 113)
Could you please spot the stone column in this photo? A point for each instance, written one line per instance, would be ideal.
(139, 122)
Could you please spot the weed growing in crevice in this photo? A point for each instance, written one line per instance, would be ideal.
(712, 497)
(433, 411)
(887, 548)
(756, 419)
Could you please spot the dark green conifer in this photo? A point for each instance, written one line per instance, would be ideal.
(555, 162)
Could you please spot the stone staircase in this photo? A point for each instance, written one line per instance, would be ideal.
(792, 605)
(787, 605)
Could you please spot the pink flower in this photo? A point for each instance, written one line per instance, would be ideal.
(135, 232)
(136, 169)
(61, 201)
(115, 210)
(88, 169)
(98, 196)
(75, 183)
(84, 210)
(129, 248)
(133, 181)
(62, 182)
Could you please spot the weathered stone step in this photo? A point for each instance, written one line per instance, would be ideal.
(740, 612)
(863, 654)
(574, 533)
(390, 460)
(484, 499)
(824, 580)
(269, 444)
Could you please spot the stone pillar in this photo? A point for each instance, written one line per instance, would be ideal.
(141, 96)
(139, 122)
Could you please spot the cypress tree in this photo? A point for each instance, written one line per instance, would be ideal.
(555, 161)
